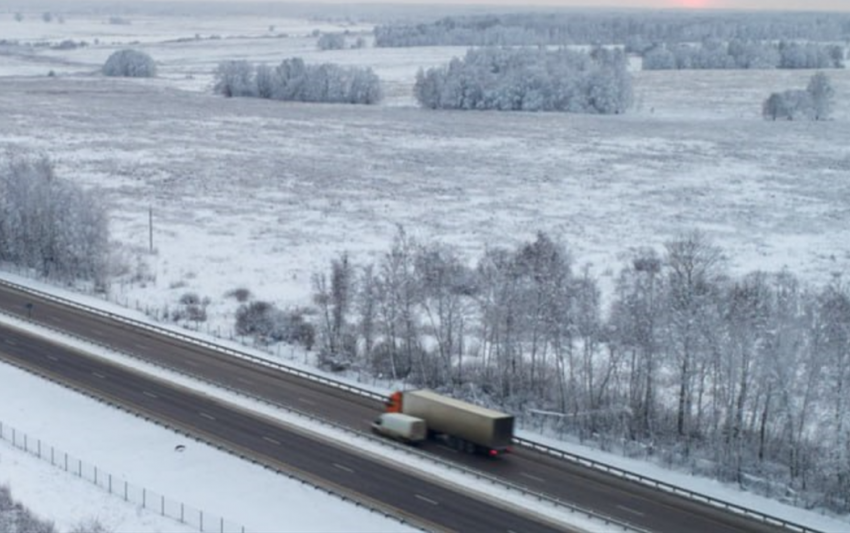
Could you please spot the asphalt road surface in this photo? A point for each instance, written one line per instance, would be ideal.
(436, 506)
(606, 494)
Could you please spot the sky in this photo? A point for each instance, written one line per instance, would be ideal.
(792, 5)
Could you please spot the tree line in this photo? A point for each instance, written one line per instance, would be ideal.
(742, 377)
(740, 54)
(638, 31)
(529, 79)
(49, 224)
(294, 80)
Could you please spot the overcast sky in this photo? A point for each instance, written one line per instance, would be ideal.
(796, 5)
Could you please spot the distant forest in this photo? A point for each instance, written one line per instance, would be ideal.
(638, 31)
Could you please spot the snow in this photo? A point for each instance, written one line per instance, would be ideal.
(242, 493)
(311, 181)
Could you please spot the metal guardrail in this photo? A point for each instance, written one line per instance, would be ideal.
(607, 520)
(663, 486)
(525, 443)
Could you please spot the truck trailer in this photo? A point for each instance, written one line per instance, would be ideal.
(461, 425)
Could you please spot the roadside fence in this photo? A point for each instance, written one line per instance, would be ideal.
(119, 487)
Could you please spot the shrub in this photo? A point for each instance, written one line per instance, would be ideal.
(130, 63)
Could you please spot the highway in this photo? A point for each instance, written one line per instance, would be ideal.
(609, 495)
(437, 507)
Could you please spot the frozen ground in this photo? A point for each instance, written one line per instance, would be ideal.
(260, 195)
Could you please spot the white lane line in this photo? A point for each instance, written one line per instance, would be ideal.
(10, 342)
(443, 446)
(98, 375)
(245, 381)
(344, 468)
(190, 362)
(150, 394)
(269, 439)
(535, 478)
(96, 331)
(629, 510)
(428, 500)
(141, 345)
(208, 417)
(305, 400)
(53, 358)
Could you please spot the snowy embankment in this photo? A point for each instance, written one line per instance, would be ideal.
(201, 476)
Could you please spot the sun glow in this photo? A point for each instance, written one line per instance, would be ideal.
(693, 4)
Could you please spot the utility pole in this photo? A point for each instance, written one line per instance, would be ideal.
(150, 228)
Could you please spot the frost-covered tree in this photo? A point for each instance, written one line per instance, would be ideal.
(525, 79)
(235, 79)
(789, 105)
(19, 16)
(130, 63)
(49, 224)
(47, 16)
(331, 41)
(821, 92)
(293, 80)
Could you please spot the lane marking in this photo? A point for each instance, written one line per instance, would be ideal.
(535, 478)
(53, 358)
(629, 510)
(98, 375)
(190, 362)
(152, 395)
(443, 446)
(308, 402)
(245, 381)
(96, 331)
(10, 342)
(208, 417)
(344, 468)
(269, 439)
(141, 345)
(428, 500)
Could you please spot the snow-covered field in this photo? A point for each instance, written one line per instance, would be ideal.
(261, 195)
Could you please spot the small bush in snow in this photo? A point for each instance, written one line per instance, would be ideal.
(14, 517)
(241, 294)
(331, 41)
(130, 63)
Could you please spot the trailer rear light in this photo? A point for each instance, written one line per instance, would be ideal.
(494, 453)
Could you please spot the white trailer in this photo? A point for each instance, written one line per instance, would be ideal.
(401, 426)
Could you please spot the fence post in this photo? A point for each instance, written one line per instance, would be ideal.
(26, 446)
(110, 483)
(222, 525)
(95, 475)
(144, 497)
(181, 512)
(162, 506)
(79, 467)
(52, 450)
(66, 462)
(125, 490)
(39, 448)
(202, 520)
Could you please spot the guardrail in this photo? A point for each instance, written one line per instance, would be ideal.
(607, 520)
(525, 443)
(663, 486)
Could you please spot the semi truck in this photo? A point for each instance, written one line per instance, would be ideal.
(461, 425)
